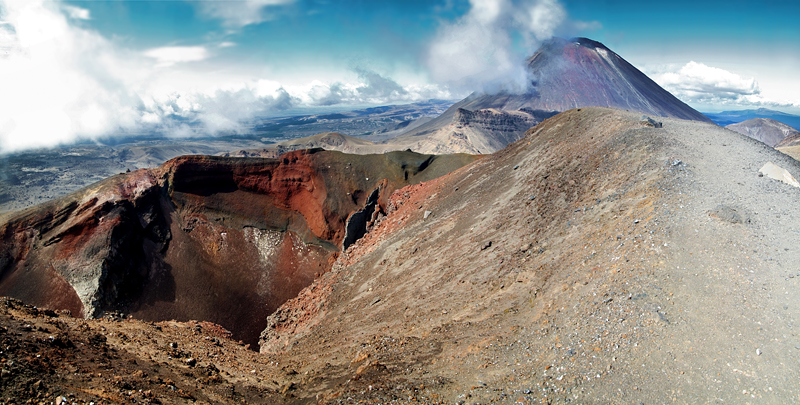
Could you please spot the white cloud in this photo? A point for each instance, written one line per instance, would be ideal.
(60, 82)
(170, 55)
(540, 19)
(57, 81)
(698, 80)
(476, 52)
(218, 111)
(238, 13)
(698, 84)
(371, 88)
(76, 13)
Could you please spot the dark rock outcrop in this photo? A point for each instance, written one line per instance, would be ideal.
(356, 226)
(650, 122)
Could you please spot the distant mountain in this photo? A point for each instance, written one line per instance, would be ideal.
(726, 118)
(582, 72)
(328, 141)
(574, 73)
(766, 130)
(473, 132)
(478, 131)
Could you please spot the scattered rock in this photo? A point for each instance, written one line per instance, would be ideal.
(758, 352)
(191, 362)
(728, 214)
(776, 172)
(288, 387)
(60, 341)
(650, 122)
(486, 245)
(427, 214)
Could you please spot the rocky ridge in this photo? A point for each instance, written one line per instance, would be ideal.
(639, 264)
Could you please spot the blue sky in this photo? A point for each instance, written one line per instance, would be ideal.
(97, 68)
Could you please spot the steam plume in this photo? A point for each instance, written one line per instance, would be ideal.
(477, 51)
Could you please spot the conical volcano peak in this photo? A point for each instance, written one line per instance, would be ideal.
(581, 72)
(588, 43)
(557, 47)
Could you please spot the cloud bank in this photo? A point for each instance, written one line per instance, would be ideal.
(698, 84)
(478, 51)
(62, 83)
(58, 81)
(371, 88)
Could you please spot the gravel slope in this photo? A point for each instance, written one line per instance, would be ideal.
(602, 269)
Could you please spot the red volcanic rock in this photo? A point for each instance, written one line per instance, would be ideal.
(223, 240)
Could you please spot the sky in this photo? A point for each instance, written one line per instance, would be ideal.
(75, 70)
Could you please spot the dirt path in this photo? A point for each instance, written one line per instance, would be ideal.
(731, 274)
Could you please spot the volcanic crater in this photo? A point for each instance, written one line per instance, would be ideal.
(224, 240)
